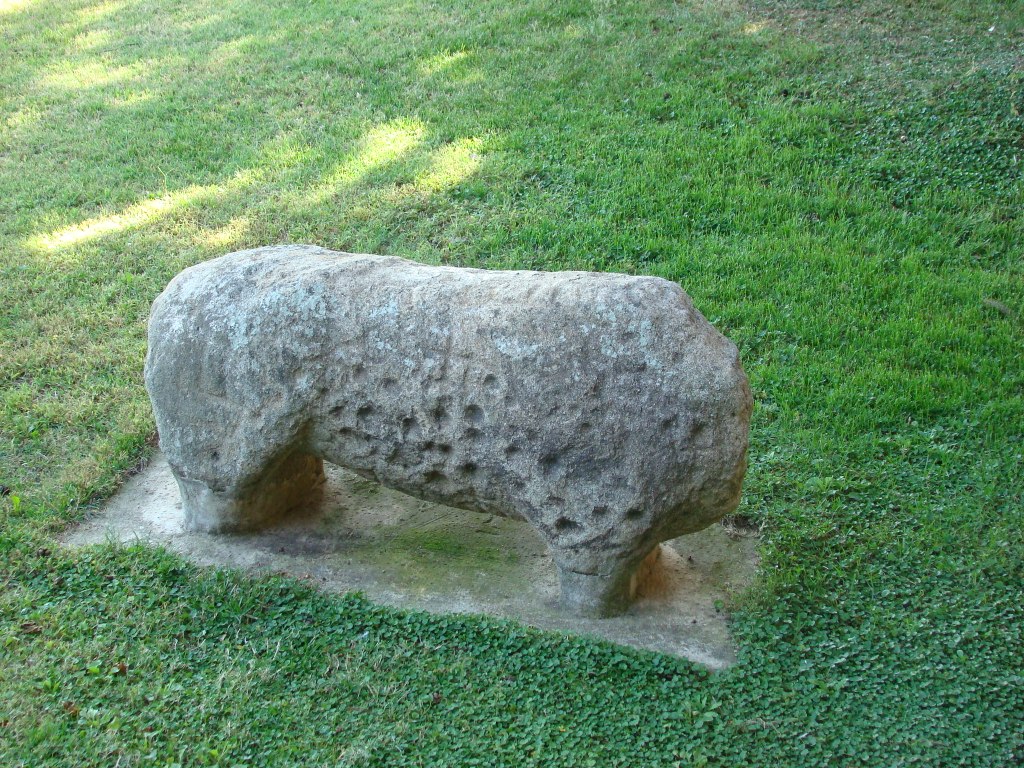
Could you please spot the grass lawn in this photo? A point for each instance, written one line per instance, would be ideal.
(838, 185)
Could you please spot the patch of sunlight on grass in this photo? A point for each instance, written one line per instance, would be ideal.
(21, 118)
(754, 27)
(226, 236)
(100, 10)
(441, 61)
(92, 74)
(384, 144)
(451, 164)
(235, 49)
(10, 6)
(139, 214)
(132, 98)
(92, 39)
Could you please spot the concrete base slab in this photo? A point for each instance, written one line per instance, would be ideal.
(409, 553)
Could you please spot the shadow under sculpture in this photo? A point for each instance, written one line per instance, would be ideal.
(601, 408)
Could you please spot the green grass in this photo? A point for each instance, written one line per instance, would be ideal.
(838, 186)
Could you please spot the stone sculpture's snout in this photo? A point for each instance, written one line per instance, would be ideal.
(602, 409)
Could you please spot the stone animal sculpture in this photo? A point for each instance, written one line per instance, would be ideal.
(601, 408)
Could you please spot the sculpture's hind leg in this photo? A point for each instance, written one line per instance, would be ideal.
(229, 505)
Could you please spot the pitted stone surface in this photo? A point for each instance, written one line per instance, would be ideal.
(603, 409)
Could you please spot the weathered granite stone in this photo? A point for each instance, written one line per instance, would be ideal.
(602, 408)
